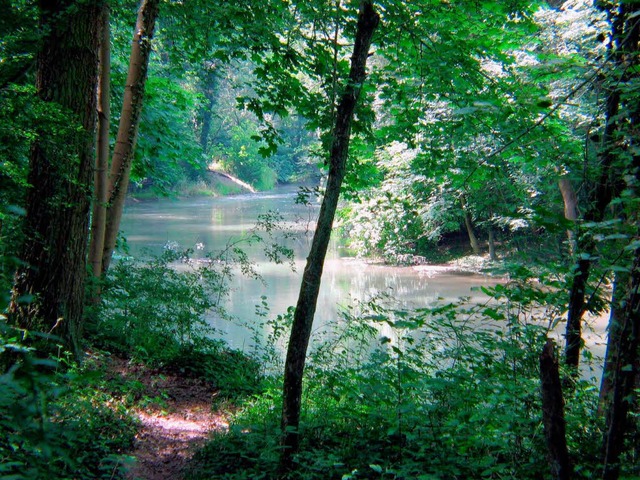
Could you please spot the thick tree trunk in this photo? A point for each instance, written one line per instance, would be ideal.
(368, 20)
(553, 415)
(98, 219)
(129, 121)
(570, 200)
(623, 349)
(49, 289)
(468, 223)
(622, 372)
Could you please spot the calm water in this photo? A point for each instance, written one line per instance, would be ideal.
(208, 224)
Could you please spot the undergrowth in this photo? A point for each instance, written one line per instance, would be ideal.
(446, 392)
(55, 424)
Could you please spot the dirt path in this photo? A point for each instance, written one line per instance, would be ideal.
(176, 421)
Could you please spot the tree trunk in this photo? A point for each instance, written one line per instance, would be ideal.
(473, 240)
(492, 245)
(622, 372)
(128, 127)
(570, 200)
(49, 292)
(98, 219)
(209, 92)
(620, 291)
(623, 355)
(608, 186)
(573, 334)
(368, 20)
(553, 414)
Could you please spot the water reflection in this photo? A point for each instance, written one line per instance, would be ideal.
(211, 223)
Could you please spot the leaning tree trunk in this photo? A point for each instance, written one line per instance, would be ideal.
(129, 121)
(99, 217)
(48, 293)
(368, 20)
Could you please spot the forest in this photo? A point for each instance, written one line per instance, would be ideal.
(491, 145)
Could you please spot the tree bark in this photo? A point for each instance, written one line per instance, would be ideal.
(473, 240)
(368, 20)
(622, 371)
(129, 120)
(553, 415)
(619, 296)
(623, 348)
(48, 294)
(624, 49)
(99, 217)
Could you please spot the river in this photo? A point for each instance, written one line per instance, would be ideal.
(209, 224)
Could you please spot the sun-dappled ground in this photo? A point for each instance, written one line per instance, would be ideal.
(176, 419)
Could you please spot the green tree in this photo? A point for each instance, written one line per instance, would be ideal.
(368, 20)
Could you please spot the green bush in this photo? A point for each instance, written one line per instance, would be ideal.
(154, 311)
(55, 425)
(436, 396)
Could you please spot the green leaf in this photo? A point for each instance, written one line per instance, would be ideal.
(494, 314)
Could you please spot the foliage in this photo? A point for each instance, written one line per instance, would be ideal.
(160, 310)
(53, 424)
(449, 391)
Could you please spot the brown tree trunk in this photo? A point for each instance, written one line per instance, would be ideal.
(49, 292)
(624, 46)
(570, 200)
(619, 296)
(98, 219)
(622, 372)
(468, 223)
(553, 414)
(623, 347)
(129, 121)
(368, 20)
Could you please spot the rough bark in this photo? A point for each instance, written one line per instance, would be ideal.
(60, 175)
(553, 414)
(368, 20)
(99, 216)
(623, 348)
(468, 223)
(129, 120)
(622, 375)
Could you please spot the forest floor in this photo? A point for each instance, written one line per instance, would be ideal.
(176, 419)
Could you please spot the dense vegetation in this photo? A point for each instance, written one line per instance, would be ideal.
(505, 129)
